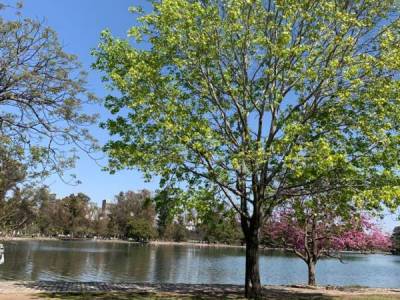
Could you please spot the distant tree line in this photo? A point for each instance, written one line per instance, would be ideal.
(143, 216)
(131, 215)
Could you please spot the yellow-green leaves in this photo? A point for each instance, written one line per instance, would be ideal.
(263, 99)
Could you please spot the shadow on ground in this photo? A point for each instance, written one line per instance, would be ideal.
(174, 296)
(129, 291)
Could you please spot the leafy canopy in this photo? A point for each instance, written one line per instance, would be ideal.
(259, 98)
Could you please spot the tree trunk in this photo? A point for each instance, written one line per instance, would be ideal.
(252, 281)
(313, 255)
(311, 273)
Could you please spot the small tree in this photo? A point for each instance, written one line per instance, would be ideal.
(396, 240)
(313, 230)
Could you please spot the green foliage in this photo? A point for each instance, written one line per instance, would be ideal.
(210, 219)
(129, 206)
(167, 207)
(135, 214)
(46, 220)
(75, 210)
(396, 240)
(12, 171)
(141, 229)
(260, 99)
(216, 221)
(18, 211)
(221, 226)
(176, 232)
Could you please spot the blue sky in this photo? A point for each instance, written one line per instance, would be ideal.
(78, 24)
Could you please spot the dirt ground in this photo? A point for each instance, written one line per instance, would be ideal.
(128, 291)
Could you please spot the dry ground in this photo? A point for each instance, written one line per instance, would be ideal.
(129, 291)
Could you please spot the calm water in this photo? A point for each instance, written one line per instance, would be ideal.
(97, 261)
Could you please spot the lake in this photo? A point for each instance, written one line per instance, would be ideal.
(123, 262)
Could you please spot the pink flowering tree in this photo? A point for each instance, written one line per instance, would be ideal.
(313, 228)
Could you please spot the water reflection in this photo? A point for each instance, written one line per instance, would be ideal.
(99, 261)
(1, 254)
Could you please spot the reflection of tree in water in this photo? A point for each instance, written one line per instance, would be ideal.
(116, 262)
(119, 262)
(190, 264)
(49, 260)
(59, 261)
(166, 260)
(15, 266)
(1, 254)
(76, 261)
(91, 261)
(217, 252)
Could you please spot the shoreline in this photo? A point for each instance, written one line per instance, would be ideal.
(155, 242)
(198, 244)
(166, 243)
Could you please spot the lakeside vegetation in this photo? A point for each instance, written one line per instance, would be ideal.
(267, 122)
(138, 216)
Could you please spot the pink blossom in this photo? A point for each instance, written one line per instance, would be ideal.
(332, 234)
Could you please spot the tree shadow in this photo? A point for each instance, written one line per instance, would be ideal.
(128, 291)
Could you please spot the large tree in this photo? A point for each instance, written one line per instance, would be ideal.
(42, 94)
(242, 95)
